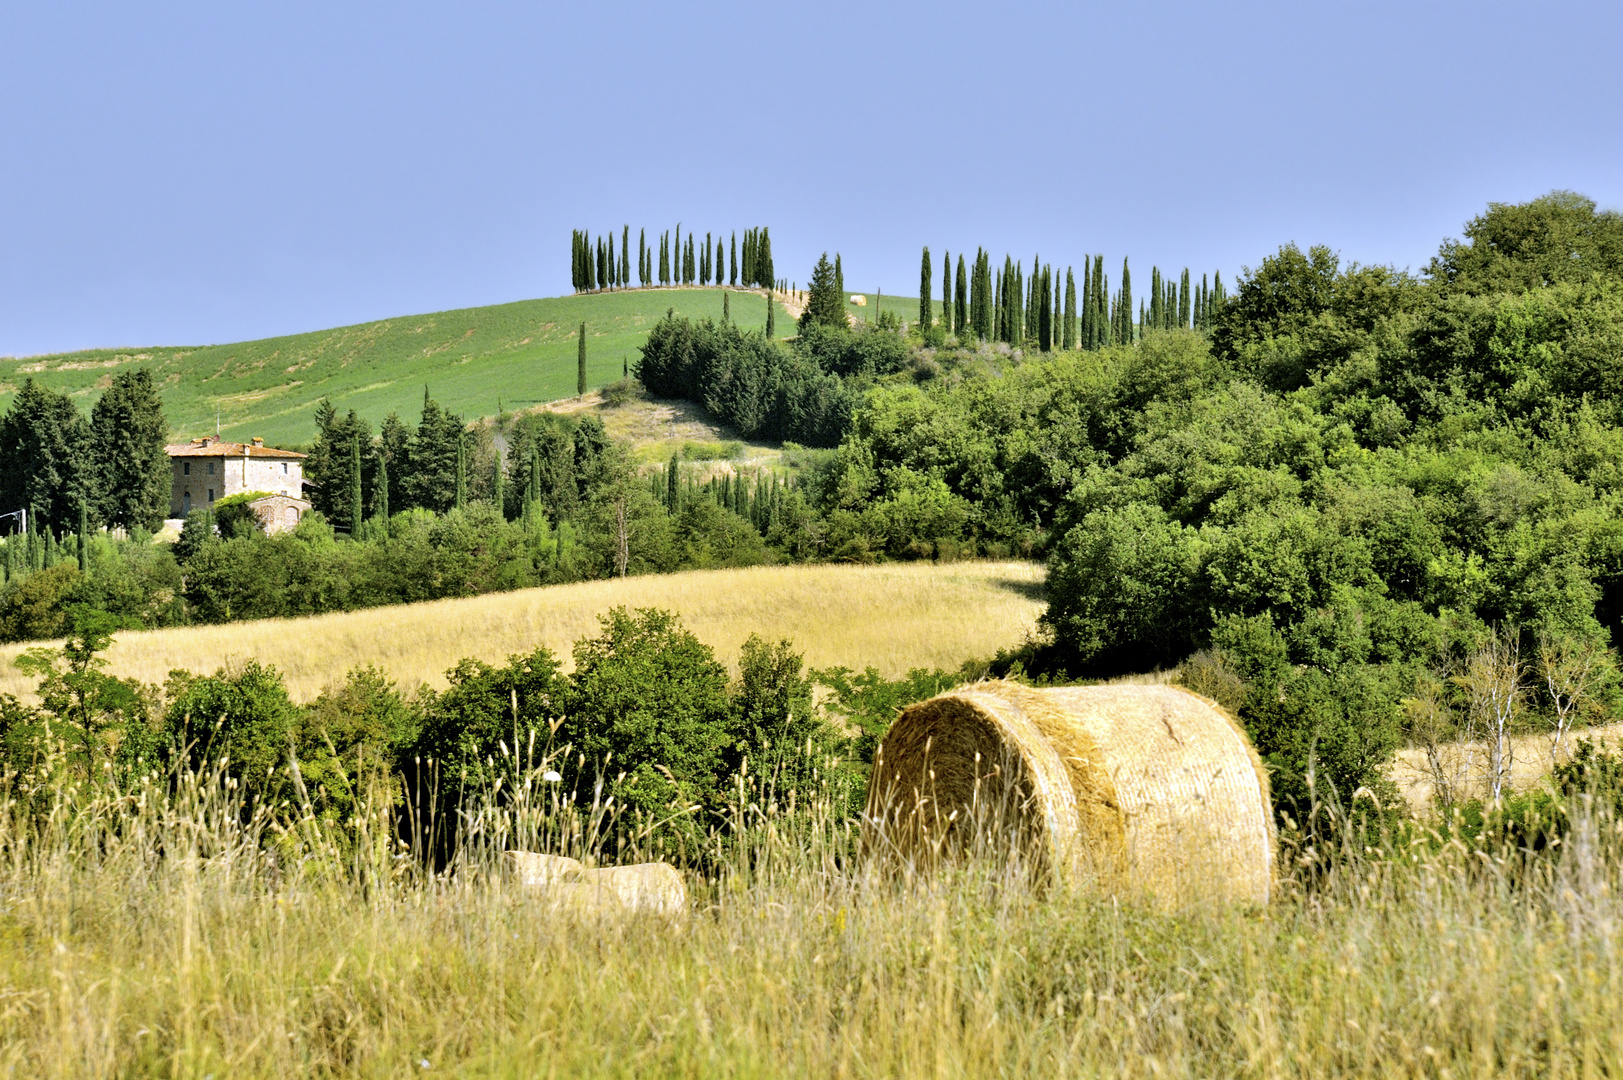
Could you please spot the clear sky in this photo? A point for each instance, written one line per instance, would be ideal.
(187, 173)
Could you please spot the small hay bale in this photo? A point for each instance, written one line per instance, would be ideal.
(533, 868)
(1143, 791)
(655, 888)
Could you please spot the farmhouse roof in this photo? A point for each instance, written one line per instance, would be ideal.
(211, 446)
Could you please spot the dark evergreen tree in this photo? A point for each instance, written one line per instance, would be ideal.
(763, 261)
(1045, 314)
(330, 468)
(461, 471)
(380, 490)
(839, 285)
(642, 257)
(580, 364)
(356, 511)
(946, 291)
(926, 303)
(613, 266)
(1068, 334)
(771, 327)
(825, 305)
(625, 256)
(431, 484)
(131, 474)
(394, 464)
(732, 263)
(960, 300)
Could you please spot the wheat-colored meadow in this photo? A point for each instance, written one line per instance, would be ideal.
(153, 933)
(893, 617)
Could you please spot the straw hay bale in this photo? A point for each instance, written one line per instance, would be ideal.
(1146, 791)
(533, 868)
(653, 888)
(582, 901)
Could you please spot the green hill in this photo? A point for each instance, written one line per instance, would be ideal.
(470, 359)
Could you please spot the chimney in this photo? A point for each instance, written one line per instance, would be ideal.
(259, 442)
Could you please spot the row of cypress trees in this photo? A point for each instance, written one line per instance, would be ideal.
(757, 498)
(594, 264)
(1038, 309)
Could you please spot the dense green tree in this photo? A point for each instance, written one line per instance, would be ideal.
(42, 458)
(1068, 334)
(825, 304)
(132, 472)
(431, 483)
(648, 704)
(1559, 237)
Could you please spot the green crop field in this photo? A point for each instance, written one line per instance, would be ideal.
(470, 360)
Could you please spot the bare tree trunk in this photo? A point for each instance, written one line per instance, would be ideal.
(622, 536)
(1571, 670)
(1493, 682)
(1432, 724)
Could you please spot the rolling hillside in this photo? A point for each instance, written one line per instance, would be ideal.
(471, 359)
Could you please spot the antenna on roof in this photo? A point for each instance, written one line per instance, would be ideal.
(216, 421)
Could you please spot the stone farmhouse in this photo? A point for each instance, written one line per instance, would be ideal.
(207, 470)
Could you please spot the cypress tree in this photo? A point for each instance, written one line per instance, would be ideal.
(673, 493)
(732, 263)
(839, 283)
(726, 307)
(946, 291)
(1126, 335)
(720, 263)
(613, 266)
(355, 511)
(925, 302)
(770, 322)
(1068, 337)
(84, 537)
(461, 472)
(380, 494)
(1045, 314)
(580, 364)
(763, 259)
(960, 303)
(676, 257)
(642, 257)
(625, 256)
(498, 487)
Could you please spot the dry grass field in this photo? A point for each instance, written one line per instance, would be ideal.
(892, 617)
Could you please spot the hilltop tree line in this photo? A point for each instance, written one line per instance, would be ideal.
(594, 264)
(1042, 310)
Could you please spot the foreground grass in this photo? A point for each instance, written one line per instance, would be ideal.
(470, 358)
(893, 617)
(150, 938)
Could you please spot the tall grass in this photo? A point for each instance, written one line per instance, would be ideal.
(164, 928)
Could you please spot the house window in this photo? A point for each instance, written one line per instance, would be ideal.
(211, 473)
(211, 494)
(186, 468)
(284, 468)
(186, 503)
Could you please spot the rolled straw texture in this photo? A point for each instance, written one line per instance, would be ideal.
(1142, 791)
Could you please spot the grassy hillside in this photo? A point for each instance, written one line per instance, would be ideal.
(893, 617)
(470, 359)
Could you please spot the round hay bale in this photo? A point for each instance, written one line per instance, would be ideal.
(655, 888)
(533, 868)
(1139, 790)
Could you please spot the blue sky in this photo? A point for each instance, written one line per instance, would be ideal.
(186, 173)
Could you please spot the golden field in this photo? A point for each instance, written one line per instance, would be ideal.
(892, 617)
